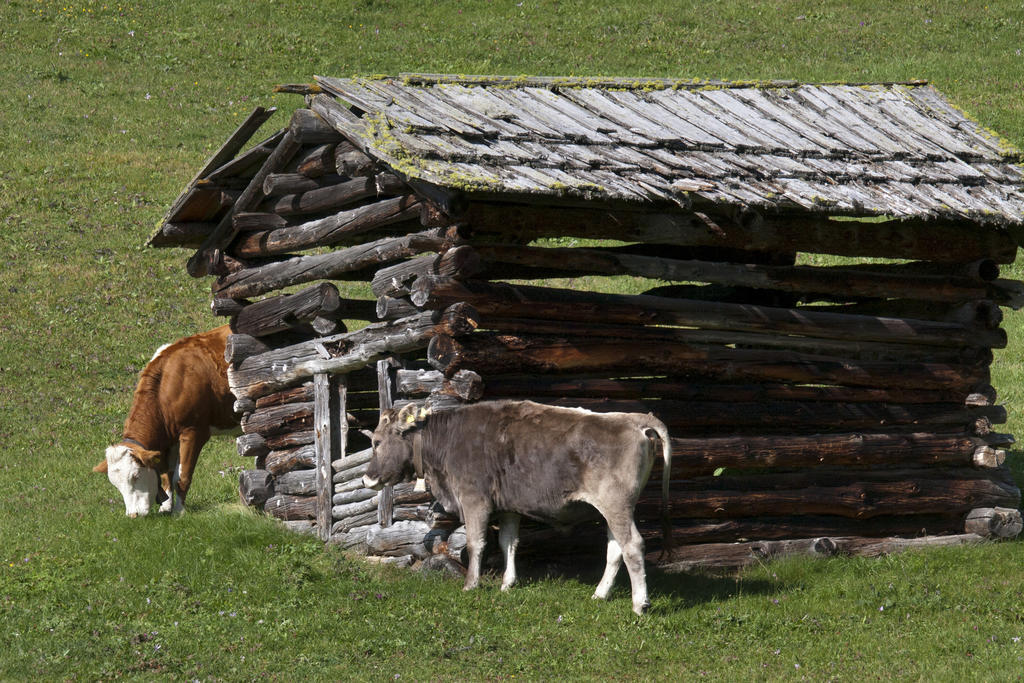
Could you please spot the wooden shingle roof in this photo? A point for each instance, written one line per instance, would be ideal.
(897, 150)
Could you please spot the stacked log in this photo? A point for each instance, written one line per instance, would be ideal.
(813, 409)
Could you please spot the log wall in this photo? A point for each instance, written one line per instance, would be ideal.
(814, 408)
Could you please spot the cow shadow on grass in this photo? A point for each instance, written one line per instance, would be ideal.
(584, 564)
(681, 590)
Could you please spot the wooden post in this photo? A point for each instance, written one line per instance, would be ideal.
(385, 385)
(331, 430)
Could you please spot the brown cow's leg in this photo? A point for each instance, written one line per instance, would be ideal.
(508, 537)
(190, 443)
(476, 535)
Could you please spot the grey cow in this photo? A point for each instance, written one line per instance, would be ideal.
(522, 458)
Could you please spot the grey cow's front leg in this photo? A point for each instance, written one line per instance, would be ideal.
(476, 536)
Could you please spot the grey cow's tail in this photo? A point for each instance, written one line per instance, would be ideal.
(659, 428)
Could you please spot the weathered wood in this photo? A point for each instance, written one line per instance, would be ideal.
(398, 539)
(848, 281)
(694, 531)
(203, 261)
(289, 440)
(353, 163)
(350, 461)
(841, 348)
(309, 129)
(466, 384)
(521, 301)
(354, 539)
(710, 555)
(987, 456)
(267, 372)
(354, 496)
(223, 306)
(994, 522)
(283, 312)
(511, 386)
(251, 446)
(458, 263)
(353, 473)
(227, 151)
(182, 234)
(288, 417)
(317, 162)
(386, 397)
(331, 429)
(974, 314)
(301, 457)
(792, 451)
(247, 221)
(941, 241)
(291, 507)
(791, 415)
(278, 184)
(255, 487)
(487, 353)
(331, 230)
(854, 494)
(296, 483)
(356, 509)
(333, 197)
(344, 264)
(391, 308)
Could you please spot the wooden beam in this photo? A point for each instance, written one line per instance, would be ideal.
(487, 353)
(941, 241)
(202, 262)
(523, 301)
(345, 264)
(277, 369)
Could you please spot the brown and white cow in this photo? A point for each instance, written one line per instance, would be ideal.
(519, 458)
(182, 396)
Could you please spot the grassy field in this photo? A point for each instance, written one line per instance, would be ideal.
(109, 108)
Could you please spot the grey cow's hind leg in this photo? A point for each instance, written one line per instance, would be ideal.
(476, 537)
(508, 538)
(623, 529)
(611, 568)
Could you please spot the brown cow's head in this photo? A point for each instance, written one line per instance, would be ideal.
(133, 472)
(394, 447)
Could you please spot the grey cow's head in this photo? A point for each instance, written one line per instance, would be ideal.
(133, 472)
(394, 447)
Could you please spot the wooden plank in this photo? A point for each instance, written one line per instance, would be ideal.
(430, 108)
(792, 141)
(226, 152)
(778, 106)
(604, 106)
(599, 130)
(360, 93)
(929, 100)
(688, 134)
(686, 106)
(386, 389)
(838, 117)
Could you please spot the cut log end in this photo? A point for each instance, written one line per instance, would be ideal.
(994, 522)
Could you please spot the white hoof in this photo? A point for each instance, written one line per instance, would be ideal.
(642, 608)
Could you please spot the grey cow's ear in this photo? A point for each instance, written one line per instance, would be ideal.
(410, 416)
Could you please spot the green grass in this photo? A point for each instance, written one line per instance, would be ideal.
(109, 109)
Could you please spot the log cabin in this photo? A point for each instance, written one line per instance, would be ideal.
(801, 280)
